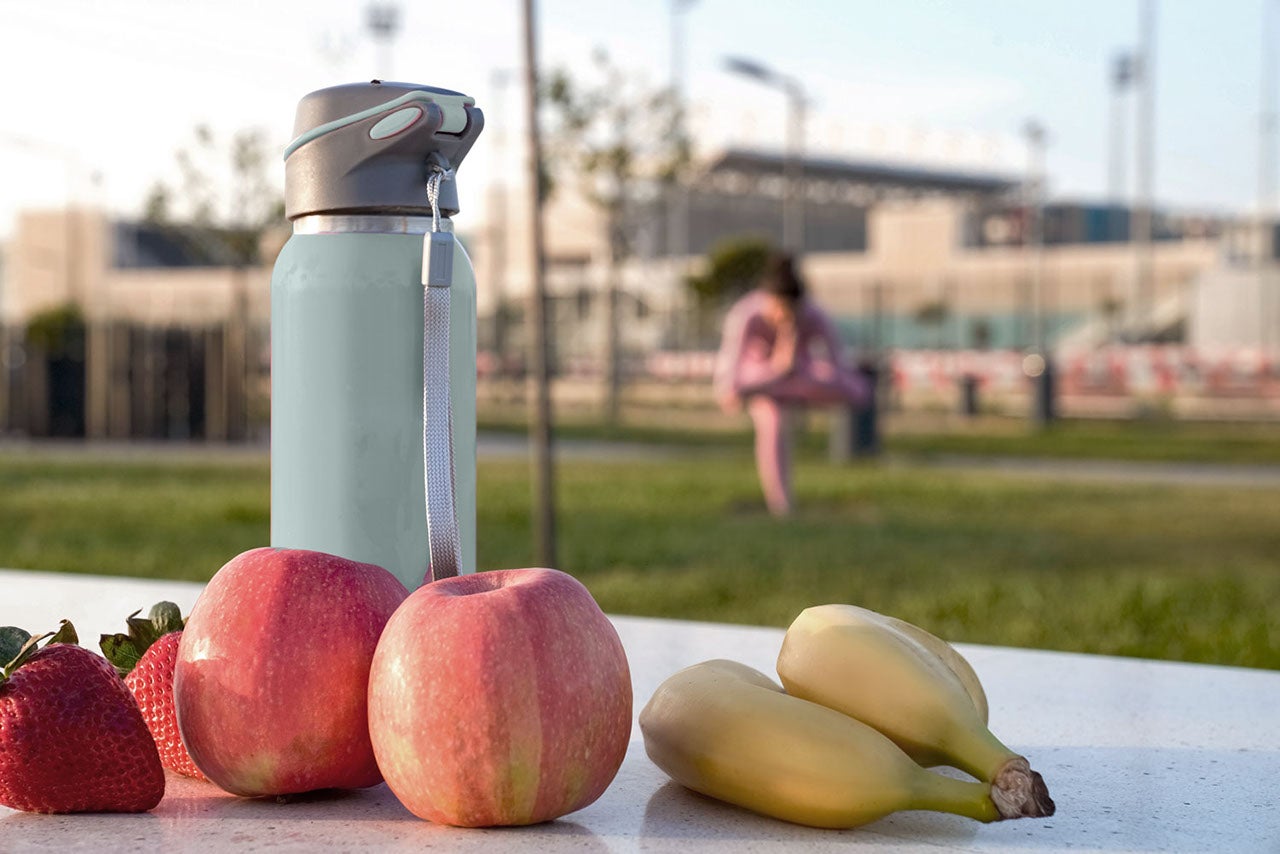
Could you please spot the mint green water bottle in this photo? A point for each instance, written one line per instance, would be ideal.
(347, 329)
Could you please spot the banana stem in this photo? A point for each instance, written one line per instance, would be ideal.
(962, 797)
(977, 752)
(1018, 791)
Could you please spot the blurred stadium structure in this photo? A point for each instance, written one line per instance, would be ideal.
(929, 272)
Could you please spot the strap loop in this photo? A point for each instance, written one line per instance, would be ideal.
(437, 410)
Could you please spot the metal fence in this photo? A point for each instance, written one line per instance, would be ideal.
(133, 381)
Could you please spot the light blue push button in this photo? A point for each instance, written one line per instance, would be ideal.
(394, 123)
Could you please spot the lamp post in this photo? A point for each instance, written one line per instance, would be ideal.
(1267, 126)
(678, 242)
(383, 21)
(541, 461)
(678, 212)
(1142, 301)
(793, 165)
(1039, 363)
(498, 217)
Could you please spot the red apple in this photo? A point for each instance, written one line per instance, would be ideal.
(273, 672)
(499, 698)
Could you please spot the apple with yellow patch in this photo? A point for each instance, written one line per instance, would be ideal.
(499, 698)
(272, 676)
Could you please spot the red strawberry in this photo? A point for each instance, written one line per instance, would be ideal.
(145, 657)
(71, 736)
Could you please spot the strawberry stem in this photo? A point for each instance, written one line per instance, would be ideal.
(66, 633)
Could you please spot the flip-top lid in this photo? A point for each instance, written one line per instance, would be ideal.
(368, 148)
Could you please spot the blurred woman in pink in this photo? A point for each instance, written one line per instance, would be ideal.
(779, 351)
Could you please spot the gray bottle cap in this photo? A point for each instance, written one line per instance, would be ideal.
(367, 148)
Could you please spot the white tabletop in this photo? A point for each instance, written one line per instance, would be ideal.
(1140, 756)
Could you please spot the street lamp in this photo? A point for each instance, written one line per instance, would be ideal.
(793, 165)
(1267, 126)
(383, 21)
(1039, 363)
(678, 204)
(677, 201)
(1142, 301)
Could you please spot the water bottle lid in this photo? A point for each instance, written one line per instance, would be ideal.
(367, 148)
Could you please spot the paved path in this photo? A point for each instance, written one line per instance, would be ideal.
(1115, 471)
(507, 446)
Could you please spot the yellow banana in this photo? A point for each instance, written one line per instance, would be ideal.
(950, 657)
(730, 732)
(857, 662)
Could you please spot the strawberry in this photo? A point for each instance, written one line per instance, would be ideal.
(145, 657)
(71, 736)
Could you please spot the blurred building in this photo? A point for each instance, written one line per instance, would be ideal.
(904, 257)
(116, 329)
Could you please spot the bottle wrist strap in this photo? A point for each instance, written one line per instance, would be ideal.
(444, 543)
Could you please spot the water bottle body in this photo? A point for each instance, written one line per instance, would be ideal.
(346, 399)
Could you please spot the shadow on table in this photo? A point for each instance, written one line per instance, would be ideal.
(1108, 798)
(675, 813)
(196, 815)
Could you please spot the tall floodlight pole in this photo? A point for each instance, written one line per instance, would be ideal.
(498, 217)
(1039, 363)
(1035, 135)
(793, 163)
(1122, 69)
(678, 244)
(544, 520)
(1267, 179)
(383, 21)
(1141, 303)
(678, 212)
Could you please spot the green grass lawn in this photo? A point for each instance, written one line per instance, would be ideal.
(1156, 440)
(1180, 573)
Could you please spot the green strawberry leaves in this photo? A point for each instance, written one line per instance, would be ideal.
(124, 651)
(17, 645)
(12, 641)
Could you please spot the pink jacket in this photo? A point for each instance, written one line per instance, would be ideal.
(747, 342)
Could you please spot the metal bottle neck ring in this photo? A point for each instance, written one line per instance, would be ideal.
(366, 224)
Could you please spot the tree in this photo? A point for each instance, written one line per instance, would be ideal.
(224, 202)
(224, 192)
(733, 266)
(934, 315)
(624, 142)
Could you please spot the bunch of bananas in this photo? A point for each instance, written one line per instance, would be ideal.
(866, 702)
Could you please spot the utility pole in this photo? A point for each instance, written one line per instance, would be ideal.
(544, 518)
(1141, 304)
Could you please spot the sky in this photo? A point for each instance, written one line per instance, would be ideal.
(97, 97)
